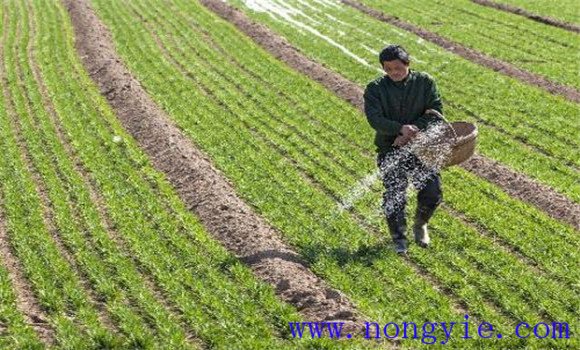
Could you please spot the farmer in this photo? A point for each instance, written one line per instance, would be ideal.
(395, 106)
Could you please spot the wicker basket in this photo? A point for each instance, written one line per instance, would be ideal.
(459, 138)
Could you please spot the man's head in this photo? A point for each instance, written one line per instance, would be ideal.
(395, 61)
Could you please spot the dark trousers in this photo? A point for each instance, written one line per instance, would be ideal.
(397, 167)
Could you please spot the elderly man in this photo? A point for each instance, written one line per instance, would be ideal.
(395, 106)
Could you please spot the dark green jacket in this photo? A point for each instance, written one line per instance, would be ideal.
(389, 105)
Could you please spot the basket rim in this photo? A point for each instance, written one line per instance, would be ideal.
(464, 138)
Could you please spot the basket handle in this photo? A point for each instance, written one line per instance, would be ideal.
(435, 112)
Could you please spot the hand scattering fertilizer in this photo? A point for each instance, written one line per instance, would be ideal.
(441, 145)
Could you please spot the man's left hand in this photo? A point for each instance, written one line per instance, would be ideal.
(401, 140)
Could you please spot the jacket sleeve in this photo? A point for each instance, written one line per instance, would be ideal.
(432, 101)
(375, 114)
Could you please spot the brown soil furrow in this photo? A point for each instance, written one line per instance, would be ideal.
(47, 207)
(206, 192)
(539, 18)
(98, 200)
(518, 185)
(497, 65)
(525, 189)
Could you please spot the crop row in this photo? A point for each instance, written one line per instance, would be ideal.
(512, 116)
(14, 332)
(113, 255)
(44, 266)
(564, 10)
(293, 178)
(545, 50)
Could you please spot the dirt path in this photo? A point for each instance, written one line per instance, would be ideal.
(517, 185)
(201, 186)
(535, 17)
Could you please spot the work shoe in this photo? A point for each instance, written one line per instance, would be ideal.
(401, 246)
(421, 234)
(397, 227)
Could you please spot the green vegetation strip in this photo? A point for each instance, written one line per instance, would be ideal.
(15, 333)
(276, 166)
(57, 288)
(506, 125)
(545, 50)
(564, 10)
(215, 295)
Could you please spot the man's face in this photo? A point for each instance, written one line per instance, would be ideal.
(396, 70)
